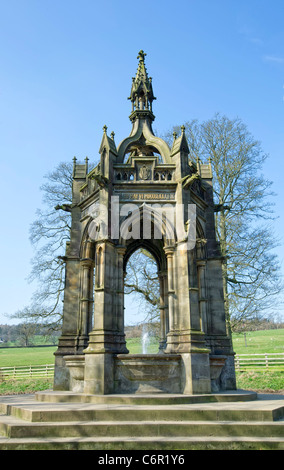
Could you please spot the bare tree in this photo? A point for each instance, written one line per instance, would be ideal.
(27, 328)
(48, 235)
(142, 279)
(251, 271)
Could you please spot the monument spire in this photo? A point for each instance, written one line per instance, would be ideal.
(141, 94)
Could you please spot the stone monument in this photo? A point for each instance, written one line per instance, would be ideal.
(143, 194)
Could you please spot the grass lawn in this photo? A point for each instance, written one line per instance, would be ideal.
(258, 342)
(26, 356)
(16, 387)
(266, 381)
(134, 345)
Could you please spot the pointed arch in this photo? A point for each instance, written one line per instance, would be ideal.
(148, 222)
(142, 129)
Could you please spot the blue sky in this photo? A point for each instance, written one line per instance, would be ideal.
(66, 69)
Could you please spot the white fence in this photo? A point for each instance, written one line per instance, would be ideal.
(264, 361)
(21, 372)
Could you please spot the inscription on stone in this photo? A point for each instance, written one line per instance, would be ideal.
(146, 196)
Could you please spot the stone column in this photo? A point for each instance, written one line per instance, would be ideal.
(163, 312)
(171, 301)
(98, 340)
(68, 341)
(120, 288)
(201, 267)
(86, 302)
(195, 323)
(96, 357)
(120, 274)
(170, 263)
(185, 337)
(196, 366)
(105, 340)
(91, 299)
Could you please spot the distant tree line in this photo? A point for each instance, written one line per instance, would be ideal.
(24, 334)
(256, 325)
(136, 331)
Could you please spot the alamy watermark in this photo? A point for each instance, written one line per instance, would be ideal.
(173, 222)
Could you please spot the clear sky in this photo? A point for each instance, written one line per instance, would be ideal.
(66, 69)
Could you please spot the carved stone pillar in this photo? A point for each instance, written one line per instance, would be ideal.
(86, 302)
(120, 289)
(171, 292)
(163, 311)
(201, 267)
(195, 323)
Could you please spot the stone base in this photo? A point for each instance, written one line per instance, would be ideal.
(105, 373)
(76, 366)
(61, 379)
(144, 373)
(195, 373)
(98, 377)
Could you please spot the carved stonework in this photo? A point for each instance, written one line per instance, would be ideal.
(144, 173)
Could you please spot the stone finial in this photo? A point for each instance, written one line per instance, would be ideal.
(105, 129)
(112, 135)
(141, 94)
(74, 165)
(141, 55)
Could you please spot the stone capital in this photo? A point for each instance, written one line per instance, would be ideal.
(87, 262)
(121, 250)
(201, 262)
(169, 250)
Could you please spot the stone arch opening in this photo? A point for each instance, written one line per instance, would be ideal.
(156, 267)
(142, 302)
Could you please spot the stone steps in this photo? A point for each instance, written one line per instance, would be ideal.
(9, 427)
(29, 423)
(144, 443)
(145, 413)
(146, 399)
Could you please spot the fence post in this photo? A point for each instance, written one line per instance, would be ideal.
(266, 361)
(238, 362)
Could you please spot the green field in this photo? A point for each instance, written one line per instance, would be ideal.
(26, 356)
(264, 341)
(258, 342)
(134, 345)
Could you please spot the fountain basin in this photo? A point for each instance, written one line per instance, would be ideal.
(76, 364)
(139, 373)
